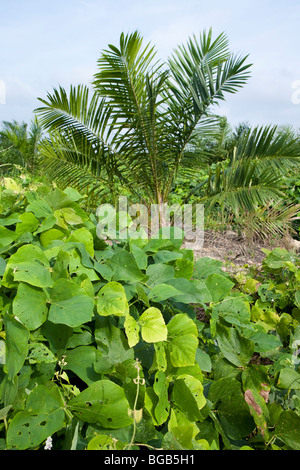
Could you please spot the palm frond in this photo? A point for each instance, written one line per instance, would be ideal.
(240, 187)
(270, 146)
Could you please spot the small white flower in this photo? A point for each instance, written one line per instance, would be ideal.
(48, 444)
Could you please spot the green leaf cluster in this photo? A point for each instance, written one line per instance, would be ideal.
(136, 344)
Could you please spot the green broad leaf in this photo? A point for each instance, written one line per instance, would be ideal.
(126, 374)
(81, 361)
(160, 357)
(255, 377)
(178, 418)
(11, 219)
(46, 224)
(4, 412)
(183, 350)
(181, 325)
(83, 235)
(140, 289)
(288, 429)
(60, 268)
(203, 360)
(83, 337)
(140, 256)
(29, 429)
(73, 194)
(165, 256)
(180, 438)
(103, 403)
(29, 223)
(112, 300)
(156, 244)
(184, 268)
(58, 336)
(265, 315)
(17, 336)
(38, 353)
(161, 387)
(236, 349)
(30, 306)
(112, 344)
(2, 266)
(289, 379)
(232, 410)
(188, 291)
(153, 327)
(205, 266)
(188, 396)
(69, 304)
(151, 401)
(101, 442)
(7, 237)
(182, 340)
(280, 258)
(67, 216)
(104, 271)
(162, 292)
(47, 237)
(45, 398)
(29, 264)
(234, 311)
(159, 274)
(124, 267)
(219, 286)
(76, 266)
(264, 341)
(193, 370)
(38, 206)
(132, 330)
(203, 294)
(251, 286)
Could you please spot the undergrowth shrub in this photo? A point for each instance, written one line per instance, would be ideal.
(137, 345)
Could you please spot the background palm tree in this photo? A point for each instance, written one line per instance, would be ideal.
(19, 143)
(133, 129)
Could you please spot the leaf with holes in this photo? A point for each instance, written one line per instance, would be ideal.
(132, 330)
(44, 415)
(153, 327)
(112, 300)
(103, 403)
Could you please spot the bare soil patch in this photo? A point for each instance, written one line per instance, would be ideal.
(235, 248)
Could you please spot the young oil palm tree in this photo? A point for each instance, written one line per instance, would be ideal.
(132, 131)
(250, 184)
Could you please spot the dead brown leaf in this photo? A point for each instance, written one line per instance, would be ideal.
(249, 398)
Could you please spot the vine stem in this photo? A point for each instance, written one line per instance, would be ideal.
(138, 381)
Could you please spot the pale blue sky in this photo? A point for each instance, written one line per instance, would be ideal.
(46, 44)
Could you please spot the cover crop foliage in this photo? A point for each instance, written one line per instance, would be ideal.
(137, 344)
